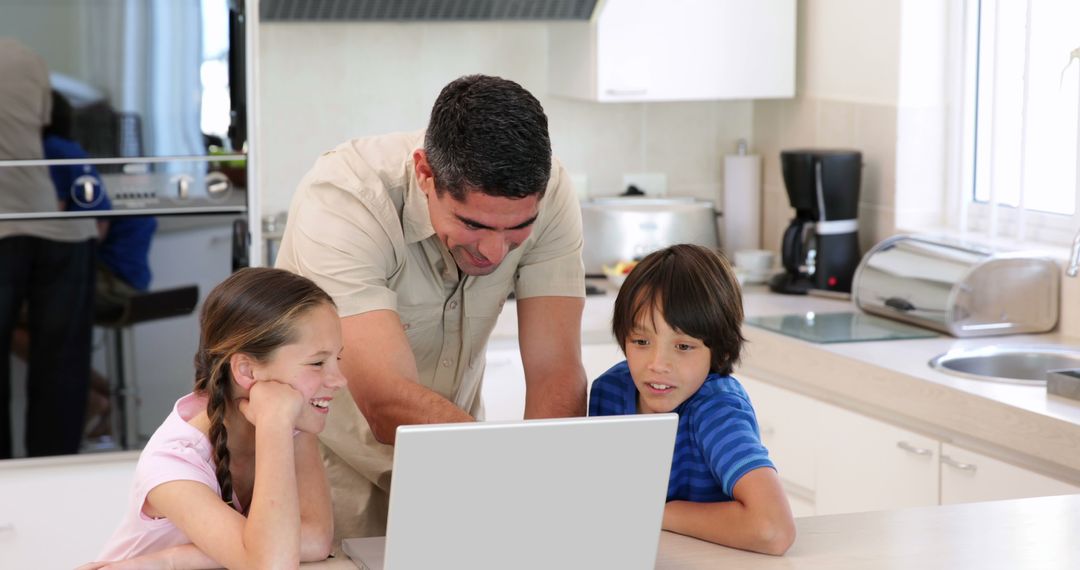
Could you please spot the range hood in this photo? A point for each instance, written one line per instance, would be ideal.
(423, 10)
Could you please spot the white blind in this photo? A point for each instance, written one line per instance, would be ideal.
(1025, 172)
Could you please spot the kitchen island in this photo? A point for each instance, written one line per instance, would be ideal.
(1022, 533)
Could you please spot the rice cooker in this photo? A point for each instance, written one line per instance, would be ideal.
(628, 228)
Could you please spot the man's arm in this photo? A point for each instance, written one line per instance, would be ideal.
(381, 371)
(549, 333)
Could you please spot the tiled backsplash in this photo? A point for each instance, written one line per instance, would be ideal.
(323, 83)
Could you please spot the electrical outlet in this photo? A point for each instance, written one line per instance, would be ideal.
(651, 183)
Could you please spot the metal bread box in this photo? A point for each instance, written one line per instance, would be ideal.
(957, 288)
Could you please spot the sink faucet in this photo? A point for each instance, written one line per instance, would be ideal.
(1074, 257)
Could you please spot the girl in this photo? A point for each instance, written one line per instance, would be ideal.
(233, 476)
(678, 319)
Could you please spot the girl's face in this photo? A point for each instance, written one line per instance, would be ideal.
(310, 365)
(667, 365)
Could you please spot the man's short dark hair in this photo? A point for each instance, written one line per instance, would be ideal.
(696, 290)
(489, 134)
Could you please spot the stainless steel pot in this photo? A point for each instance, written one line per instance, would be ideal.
(626, 228)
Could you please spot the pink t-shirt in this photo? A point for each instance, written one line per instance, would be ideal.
(176, 452)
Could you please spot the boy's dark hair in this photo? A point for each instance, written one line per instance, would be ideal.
(489, 134)
(60, 122)
(698, 294)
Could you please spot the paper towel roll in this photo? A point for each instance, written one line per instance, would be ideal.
(742, 203)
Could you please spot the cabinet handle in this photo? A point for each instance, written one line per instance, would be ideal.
(626, 92)
(922, 451)
(957, 464)
(7, 527)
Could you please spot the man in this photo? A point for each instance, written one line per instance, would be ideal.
(420, 238)
(46, 266)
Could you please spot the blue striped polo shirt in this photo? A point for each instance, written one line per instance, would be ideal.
(717, 440)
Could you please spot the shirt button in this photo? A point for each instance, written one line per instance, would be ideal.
(453, 305)
(447, 362)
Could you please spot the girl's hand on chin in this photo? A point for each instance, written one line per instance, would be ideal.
(271, 401)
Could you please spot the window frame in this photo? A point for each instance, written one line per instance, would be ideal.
(994, 220)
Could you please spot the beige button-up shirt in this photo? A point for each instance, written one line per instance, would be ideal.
(25, 108)
(359, 227)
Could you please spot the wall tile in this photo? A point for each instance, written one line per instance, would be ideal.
(835, 124)
(874, 135)
(324, 83)
(875, 224)
(1069, 320)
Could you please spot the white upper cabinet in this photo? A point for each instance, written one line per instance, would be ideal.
(676, 50)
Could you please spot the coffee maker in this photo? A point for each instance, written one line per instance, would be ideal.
(820, 247)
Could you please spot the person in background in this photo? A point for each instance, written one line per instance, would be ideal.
(233, 477)
(123, 252)
(46, 268)
(420, 237)
(678, 319)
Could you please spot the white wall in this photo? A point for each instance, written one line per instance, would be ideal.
(871, 77)
(323, 83)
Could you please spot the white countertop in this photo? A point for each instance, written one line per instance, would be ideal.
(1025, 533)
(891, 380)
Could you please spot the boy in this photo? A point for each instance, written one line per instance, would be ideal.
(677, 318)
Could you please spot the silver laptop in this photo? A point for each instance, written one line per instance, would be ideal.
(566, 493)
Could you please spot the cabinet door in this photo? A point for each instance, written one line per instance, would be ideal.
(786, 420)
(868, 465)
(597, 358)
(968, 477)
(695, 50)
(504, 385)
(60, 515)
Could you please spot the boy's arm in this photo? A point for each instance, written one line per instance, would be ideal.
(758, 519)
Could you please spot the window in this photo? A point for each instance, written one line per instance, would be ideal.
(214, 71)
(1023, 100)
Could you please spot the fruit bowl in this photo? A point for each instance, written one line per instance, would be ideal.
(617, 274)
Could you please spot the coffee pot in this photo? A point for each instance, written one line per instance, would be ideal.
(820, 246)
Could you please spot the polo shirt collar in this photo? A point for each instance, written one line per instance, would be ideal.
(415, 217)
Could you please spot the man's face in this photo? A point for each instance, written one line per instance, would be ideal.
(480, 230)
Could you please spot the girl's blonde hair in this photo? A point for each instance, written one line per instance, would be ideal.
(252, 312)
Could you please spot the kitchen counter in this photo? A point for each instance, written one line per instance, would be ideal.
(1023, 533)
(892, 381)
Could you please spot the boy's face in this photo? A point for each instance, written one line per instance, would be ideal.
(667, 366)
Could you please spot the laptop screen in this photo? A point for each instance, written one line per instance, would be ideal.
(561, 493)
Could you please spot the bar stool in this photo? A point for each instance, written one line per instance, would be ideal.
(119, 356)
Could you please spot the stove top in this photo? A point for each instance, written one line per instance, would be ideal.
(839, 327)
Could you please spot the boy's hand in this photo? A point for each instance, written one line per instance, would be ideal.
(271, 401)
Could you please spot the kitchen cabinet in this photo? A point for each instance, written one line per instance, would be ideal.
(832, 460)
(867, 465)
(65, 507)
(785, 420)
(504, 385)
(677, 50)
(504, 377)
(968, 477)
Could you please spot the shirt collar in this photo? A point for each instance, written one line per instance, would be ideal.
(415, 217)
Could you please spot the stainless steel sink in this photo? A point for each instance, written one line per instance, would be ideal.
(1021, 364)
